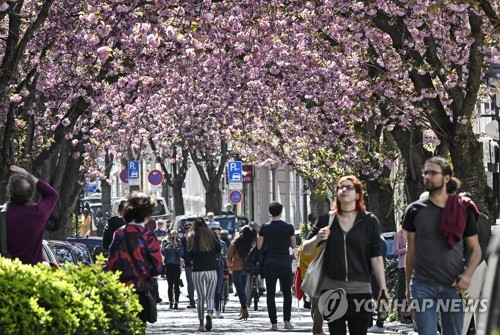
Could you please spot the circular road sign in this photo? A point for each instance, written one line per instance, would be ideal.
(155, 177)
(235, 196)
(124, 176)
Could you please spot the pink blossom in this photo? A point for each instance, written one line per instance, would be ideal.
(92, 39)
(103, 53)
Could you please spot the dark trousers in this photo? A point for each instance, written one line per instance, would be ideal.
(218, 287)
(356, 320)
(240, 278)
(281, 269)
(173, 279)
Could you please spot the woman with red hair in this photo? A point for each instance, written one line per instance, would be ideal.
(352, 251)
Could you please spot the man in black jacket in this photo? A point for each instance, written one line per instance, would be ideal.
(113, 224)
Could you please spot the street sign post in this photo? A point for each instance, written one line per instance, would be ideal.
(235, 175)
(124, 176)
(133, 171)
(155, 177)
(235, 196)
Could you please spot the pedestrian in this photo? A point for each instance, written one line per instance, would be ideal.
(188, 266)
(484, 234)
(204, 249)
(399, 249)
(172, 251)
(224, 236)
(113, 223)
(316, 315)
(352, 251)
(134, 250)
(437, 230)
(378, 327)
(25, 220)
(92, 231)
(87, 222)
(160, 231)
(211, 222)
(278, 236)
(236, 256)
(220, 272)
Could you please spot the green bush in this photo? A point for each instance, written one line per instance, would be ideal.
(75, 300)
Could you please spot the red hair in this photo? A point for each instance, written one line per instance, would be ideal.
(360, 202)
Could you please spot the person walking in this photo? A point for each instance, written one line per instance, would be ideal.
(236, 255)
(25, 220)
(278, 236)
(172, 251)
(220, 272)
(134, 250)
(204, 249)
(87, 221)
(352, 251)
(399, 249)
(304, 261)
(188, 266)
(437, 230)
(113, 223)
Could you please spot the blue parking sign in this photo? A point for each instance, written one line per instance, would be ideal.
(235, 172)
(133, 170)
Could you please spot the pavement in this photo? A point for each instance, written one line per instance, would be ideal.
(185, 321)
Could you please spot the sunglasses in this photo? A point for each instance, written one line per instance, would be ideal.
(432, 173)
(346, 187)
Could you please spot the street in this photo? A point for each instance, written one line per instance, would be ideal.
(185, 321)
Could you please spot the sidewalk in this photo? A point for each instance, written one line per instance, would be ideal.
(185, 321)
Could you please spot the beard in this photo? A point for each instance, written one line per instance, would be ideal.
(431, 188)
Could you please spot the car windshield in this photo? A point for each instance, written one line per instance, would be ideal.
(62, 252)
(227, 224)
(159, 209)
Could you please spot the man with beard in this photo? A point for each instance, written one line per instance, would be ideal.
(438, 228)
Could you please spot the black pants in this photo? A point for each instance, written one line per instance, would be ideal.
(173, 272)
(356, 320)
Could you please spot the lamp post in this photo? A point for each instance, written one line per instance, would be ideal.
(273, 182)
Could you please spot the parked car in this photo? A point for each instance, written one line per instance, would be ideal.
(48, 255)
(93, 243)
(232, 223)
(181, 220)
(160, 212)
(82, 253)
(63, 251)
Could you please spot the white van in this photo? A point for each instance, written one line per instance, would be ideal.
(160, 212)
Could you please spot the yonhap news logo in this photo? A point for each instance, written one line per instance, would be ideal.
(333, 304)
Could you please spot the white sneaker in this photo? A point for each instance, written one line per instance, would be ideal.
(288, 325)
(376, 329)
(274, 326)
(218, 315)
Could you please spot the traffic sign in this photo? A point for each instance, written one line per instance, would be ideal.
(155, 177)
(124, 176)
(235, 196)
(133, 171)
(235, 172)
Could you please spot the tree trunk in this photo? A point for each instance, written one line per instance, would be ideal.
(106, 187)
(379, 201)
(178, 199)
(467, 158)
(319, 204)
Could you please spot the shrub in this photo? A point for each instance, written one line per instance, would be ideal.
(75, 300)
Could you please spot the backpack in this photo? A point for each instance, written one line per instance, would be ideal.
(252, 259)
(3, 232)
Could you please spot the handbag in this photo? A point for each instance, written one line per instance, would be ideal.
(147, 299)
(313, 280)
(297, 284)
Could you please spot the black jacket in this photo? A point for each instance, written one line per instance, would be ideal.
(348, 255)
(113, 224)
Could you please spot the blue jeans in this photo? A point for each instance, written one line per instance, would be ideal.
(428, 299)
(218, 286)
(274, 269)
(240, 278)
(190, 287)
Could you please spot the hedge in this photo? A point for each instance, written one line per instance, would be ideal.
(77, 299)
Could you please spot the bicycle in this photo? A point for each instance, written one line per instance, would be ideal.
(224, 294)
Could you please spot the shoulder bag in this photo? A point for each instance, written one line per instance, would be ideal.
(313, 280)
(147, 299)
